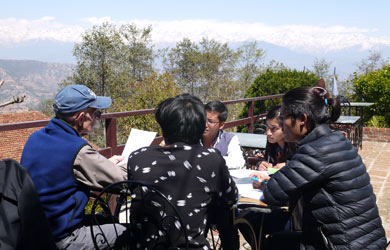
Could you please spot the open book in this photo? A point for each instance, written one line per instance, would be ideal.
(136, 140)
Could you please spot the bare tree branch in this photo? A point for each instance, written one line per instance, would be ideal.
(18, 99)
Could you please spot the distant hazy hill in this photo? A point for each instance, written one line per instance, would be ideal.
(37, 80)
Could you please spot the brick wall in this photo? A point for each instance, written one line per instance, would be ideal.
(376, 134)
(12, 141)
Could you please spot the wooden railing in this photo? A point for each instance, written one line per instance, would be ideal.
(112, 146)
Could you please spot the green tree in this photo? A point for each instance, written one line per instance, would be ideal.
(217, 70)
(108, 60)
(373, 62)
(183, 62)
(276, 66)
(212, 70)
(250, 63)
(137, 51)
(46, 107)
(374, 87)
(119, 63)
(321, 69)
(205, 69)
(248, 66)
(145, 95)
(98, 59)
(276, 82)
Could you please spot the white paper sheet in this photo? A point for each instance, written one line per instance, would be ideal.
(241, 173)
(136, 140)
(246, 190)
(244, 183)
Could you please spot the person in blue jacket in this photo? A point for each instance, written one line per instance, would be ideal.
(64, 167)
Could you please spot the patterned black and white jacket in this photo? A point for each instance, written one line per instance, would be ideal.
(193, 177)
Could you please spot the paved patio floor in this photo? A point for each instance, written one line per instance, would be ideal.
(376, 157)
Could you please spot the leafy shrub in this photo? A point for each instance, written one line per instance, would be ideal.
(374, 87)
(376, 121)
(275, 82)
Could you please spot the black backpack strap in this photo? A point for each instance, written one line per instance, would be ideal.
(2, 177)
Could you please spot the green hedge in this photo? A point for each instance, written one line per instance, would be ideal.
(374, 87)
(275, 82)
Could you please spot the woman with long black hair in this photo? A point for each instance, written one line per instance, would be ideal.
(277, 151)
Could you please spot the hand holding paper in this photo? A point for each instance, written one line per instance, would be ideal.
(116, 158)
(136, 140)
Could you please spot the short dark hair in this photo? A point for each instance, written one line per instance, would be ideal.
(182, 119)
(313, 103)
(274, 112)
(69, 117)
(217, 106)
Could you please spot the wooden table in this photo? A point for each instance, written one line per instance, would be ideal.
(261, 204)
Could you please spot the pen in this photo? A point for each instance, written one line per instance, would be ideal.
(257, 179)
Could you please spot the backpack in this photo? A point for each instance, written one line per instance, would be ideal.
(23, 224)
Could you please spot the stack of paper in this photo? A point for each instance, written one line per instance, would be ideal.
(244, 183)
(136, 140)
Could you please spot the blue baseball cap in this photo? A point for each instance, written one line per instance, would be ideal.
(74, 98)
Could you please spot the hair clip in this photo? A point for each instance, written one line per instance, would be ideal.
(326, 102)
(321, 91)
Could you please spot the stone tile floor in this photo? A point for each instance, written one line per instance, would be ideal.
(376, 157)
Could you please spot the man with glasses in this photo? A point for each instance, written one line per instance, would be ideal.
(64, 167)
(229, 147)
(214, 135)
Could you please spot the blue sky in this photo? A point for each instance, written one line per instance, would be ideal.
(319, 28)
(360, 13)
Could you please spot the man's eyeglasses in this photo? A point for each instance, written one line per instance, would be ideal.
(97, 114)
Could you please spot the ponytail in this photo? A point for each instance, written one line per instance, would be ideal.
(334, 109)
(314, 102)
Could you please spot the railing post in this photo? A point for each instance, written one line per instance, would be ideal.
(111, 141)
(250, 114)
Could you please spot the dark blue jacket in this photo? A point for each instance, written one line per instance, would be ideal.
(339, 205)
(48, 156)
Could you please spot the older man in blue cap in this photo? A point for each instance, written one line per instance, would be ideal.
(64, 166)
